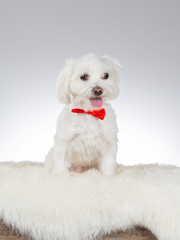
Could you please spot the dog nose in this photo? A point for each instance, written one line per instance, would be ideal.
(97, 91)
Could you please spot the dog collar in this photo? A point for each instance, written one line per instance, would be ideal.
(98, 113)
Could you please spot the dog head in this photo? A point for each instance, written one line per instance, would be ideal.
(92, 77)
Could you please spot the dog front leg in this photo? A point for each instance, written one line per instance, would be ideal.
(55, 160)
(108, 162)
(59, 155)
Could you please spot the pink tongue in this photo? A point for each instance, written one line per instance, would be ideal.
(96, 102)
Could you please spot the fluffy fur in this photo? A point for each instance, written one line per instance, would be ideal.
(81, 140)
(72, 206)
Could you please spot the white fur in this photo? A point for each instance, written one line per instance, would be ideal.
(71, 206)
(81, 139)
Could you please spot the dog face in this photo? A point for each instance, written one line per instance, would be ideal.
(92, 77)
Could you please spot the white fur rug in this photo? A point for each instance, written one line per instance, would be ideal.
(82, 206)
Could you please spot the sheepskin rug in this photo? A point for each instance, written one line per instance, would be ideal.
(72, 206)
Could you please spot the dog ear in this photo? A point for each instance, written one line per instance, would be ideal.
(116, 65)
(62, 86)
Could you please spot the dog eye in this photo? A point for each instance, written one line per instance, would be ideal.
(105, 76)
(84, 77)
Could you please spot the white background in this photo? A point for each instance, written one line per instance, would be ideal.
(36, 37)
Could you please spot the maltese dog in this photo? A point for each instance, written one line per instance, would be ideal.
(86, 134)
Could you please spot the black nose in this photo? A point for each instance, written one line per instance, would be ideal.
(97, 91)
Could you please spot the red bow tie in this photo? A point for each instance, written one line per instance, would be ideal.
(98, 113)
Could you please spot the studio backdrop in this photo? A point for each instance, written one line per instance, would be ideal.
(36, 37)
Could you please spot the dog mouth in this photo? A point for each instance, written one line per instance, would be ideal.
(96, 102)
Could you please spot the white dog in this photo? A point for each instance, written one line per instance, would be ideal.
(83, 140)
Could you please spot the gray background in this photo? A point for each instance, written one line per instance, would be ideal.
(36, 37)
